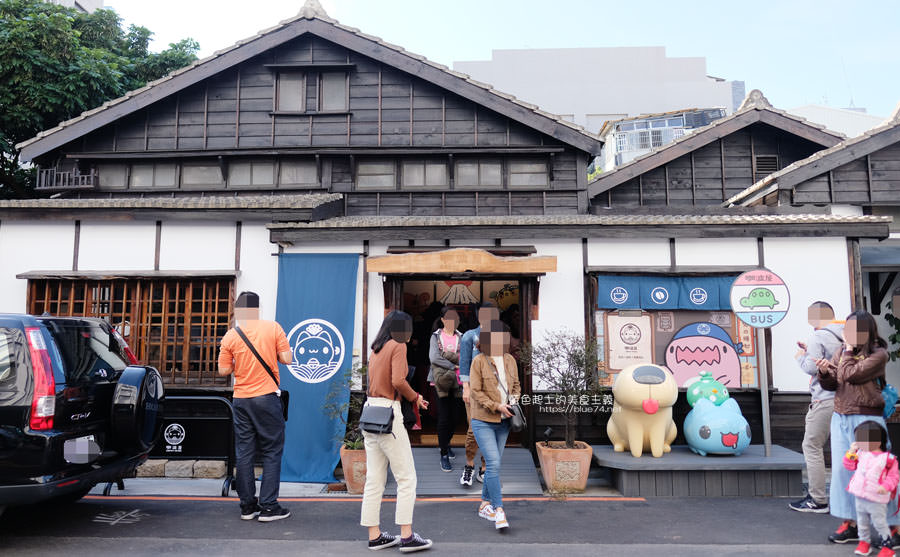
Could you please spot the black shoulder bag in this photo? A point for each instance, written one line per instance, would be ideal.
(377, 419)
(283, 395)
(517, 422)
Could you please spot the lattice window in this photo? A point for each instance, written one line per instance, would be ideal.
(174, 325)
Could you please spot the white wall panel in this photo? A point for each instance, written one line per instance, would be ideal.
(196, 246)
(31, 246)
(259, 268)
(813, 269)
(606, 252)
(117, 246)
(715, 251)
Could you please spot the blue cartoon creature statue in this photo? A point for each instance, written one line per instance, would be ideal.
(706, 387)
(716, 429)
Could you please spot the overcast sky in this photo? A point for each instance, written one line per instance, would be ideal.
(797, 52)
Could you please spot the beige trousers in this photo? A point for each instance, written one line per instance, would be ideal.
(383, 450)
(815, 439)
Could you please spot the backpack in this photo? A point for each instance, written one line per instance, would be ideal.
(887, 466)
(890, 396)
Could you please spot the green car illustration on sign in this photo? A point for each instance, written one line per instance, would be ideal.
(759, 297)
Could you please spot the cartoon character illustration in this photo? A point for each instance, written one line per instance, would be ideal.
(704, 346)
(316, 354)
(712, 429)
(759, 297)
(506, 296)
(706, 387)
(642, 412)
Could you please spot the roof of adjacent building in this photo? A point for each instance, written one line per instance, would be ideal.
(607, 125)
(755, 108)
(286, 30)
(206, 202)
(824, 160)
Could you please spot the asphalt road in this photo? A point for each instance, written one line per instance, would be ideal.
(329, 526)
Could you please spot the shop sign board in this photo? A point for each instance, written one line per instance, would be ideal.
(760, 298)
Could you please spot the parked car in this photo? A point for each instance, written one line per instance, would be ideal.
(75, 408)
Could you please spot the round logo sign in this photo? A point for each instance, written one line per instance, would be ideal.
(659, 295)
(760, 298)
(699, 296)
(174, 434)
(318, 349)
(630, 334)
(618, 295)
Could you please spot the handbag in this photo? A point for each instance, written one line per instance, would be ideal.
(283, 395)
(517, 421)
(377, 419)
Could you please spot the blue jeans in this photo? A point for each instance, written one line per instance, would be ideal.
(491, 439)
(842, 503)
(258, 422)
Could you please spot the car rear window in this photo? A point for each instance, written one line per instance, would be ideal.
(88, 349)
(14, 376)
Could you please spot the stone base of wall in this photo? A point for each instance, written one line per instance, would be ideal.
(163, 468)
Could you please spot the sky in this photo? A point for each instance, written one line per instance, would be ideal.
(798, 52)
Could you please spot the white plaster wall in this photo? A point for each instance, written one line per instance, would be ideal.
(846, 210)
(117, 246)
(561, 294)
(716, 251)
(31, 246)
(651, 252)
(376, 294)
(813, 269)
(259, 268)
(194, 246)
(884, 328)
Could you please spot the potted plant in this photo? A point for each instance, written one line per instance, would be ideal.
(567, 364)
(353, 454)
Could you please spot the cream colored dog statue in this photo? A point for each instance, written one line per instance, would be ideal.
(642, 413)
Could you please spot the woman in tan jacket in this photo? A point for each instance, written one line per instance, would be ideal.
(494, 386)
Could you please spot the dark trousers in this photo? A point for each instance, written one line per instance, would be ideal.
(446, 421)
(258, 423)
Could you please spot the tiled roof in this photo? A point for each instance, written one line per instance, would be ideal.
(755, 100)
(582, 220)
(889, 124)
(311, 10)
(251, 202)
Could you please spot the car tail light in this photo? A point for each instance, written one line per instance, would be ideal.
(132, 359)
(43, 401)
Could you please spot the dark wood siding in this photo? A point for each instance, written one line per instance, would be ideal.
(713, 173)
(869, 179)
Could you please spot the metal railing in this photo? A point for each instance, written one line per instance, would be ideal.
(52, 179)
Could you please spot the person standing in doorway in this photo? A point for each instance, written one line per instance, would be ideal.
(258, 419)
(444, 356)
(494, 383)
(826, 340)
(387, 374)
(468, 350)
(856, 375)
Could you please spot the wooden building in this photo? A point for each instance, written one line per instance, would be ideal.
(313, 137)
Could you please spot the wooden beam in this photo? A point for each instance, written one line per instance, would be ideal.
(722, 154)
(460, 260)
(268, 151)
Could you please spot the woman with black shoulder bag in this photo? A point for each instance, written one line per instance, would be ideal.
(387, 372)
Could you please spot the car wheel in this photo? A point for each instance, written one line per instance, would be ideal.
(137, 409)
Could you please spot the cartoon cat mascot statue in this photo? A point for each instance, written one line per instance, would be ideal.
(642, 412)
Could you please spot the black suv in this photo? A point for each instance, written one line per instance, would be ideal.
(75, 409)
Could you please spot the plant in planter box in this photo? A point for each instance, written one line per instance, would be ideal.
(353, 455)
(567, 364)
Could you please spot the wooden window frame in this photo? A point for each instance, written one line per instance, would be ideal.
(357, 174)
(511, 162)
(480, 162)
(165, 325)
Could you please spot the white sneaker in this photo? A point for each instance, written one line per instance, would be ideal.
(487, 512)
(500, 521)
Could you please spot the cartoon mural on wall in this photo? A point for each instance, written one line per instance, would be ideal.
(506, 296)
(717, 429)
(704, 346)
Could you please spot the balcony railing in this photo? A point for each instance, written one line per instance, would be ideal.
(52, 179)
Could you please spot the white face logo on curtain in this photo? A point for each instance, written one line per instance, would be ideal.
(318, 349)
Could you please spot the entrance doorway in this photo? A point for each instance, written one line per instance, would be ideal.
(422, 296)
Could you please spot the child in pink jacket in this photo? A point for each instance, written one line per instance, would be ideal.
(875, 479)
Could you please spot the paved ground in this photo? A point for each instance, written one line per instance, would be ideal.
(327, 525)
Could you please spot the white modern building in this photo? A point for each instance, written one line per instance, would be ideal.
(88, 6)
(589, 86)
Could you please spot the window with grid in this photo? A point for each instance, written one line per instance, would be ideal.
(331, 90)
(528, 173)
(424, 174)
(376, 175)
(481, 173)
(174, 324)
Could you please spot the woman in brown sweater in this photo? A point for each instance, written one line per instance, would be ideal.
(387, 373)
(856, 374)
(494, 386)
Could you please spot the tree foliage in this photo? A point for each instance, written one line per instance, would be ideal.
(57, 62)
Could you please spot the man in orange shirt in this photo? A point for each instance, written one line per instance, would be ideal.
(258, 418)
